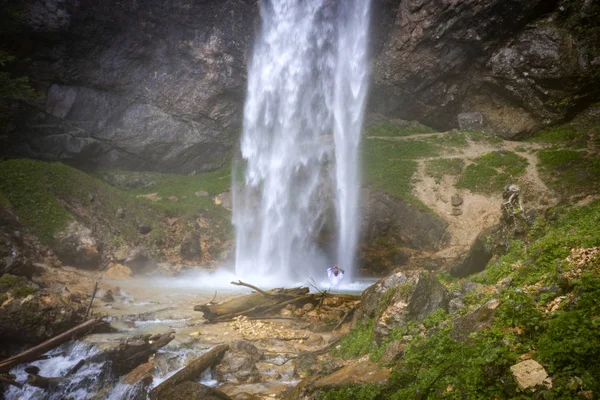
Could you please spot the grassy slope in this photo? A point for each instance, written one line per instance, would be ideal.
(45, 196)
(526, 280)
(572, 164)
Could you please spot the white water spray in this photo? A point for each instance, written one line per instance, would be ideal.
(307, 86)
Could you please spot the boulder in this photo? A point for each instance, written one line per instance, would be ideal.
(117, 272)
(37, 317)
(529, 374)
(239, 364)
(470, 121)
(401, 298)
(478, 256)
(77, 247)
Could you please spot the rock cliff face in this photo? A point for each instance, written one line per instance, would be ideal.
(160, 85)
(139, 85)
(522, 64)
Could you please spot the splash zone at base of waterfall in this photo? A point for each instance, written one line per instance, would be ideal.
(296, 192)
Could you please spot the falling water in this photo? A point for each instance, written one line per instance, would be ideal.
(307, 85)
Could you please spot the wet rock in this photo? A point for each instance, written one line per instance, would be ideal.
(248, 348)
(118, 272)
(76, 246)
(529, 373)
(37, 317)
(470, 121)
(238, 367)
(192, 391)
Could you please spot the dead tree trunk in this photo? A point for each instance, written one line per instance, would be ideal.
(133, 352)
(35, 352)
(263, 303)
(192, 371)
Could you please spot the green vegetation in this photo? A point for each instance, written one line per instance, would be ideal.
(177, 192)
(44, 195)
(569, 171)
(18, 285)
(390, 165)
(492, 171)
(549, 309)
(441, 167)
(407, 128)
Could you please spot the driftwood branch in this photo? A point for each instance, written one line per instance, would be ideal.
(33, 353)
(191, 371)
(87, 312)
(240, 283)
(133, 352)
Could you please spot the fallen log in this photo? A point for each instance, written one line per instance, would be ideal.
(35, 352)
(133, 352)
(192, 371)
(262, 303)
(248, 303)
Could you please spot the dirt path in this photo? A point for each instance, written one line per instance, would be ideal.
(478, 211)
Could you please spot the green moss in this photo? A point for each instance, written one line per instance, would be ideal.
(449, 139)
(40, 192)
(17, 285)
(492, 171)
(441, 167)
(358, 342)
(389, 165)
(390, 129)
(567, 342)
(362, 392)
(570, 170)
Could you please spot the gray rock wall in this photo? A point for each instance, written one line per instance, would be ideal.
(160, 85)
(139, 85)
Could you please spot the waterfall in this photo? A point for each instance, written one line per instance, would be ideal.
(299, 168)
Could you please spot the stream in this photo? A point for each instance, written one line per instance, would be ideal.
(160, 305)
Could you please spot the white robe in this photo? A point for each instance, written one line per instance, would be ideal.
(334, 280)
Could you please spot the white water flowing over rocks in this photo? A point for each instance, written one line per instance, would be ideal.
(307, 85)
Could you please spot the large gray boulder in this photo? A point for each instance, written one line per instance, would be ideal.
(401, 298)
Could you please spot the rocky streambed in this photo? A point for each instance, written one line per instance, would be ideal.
(266, 357)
